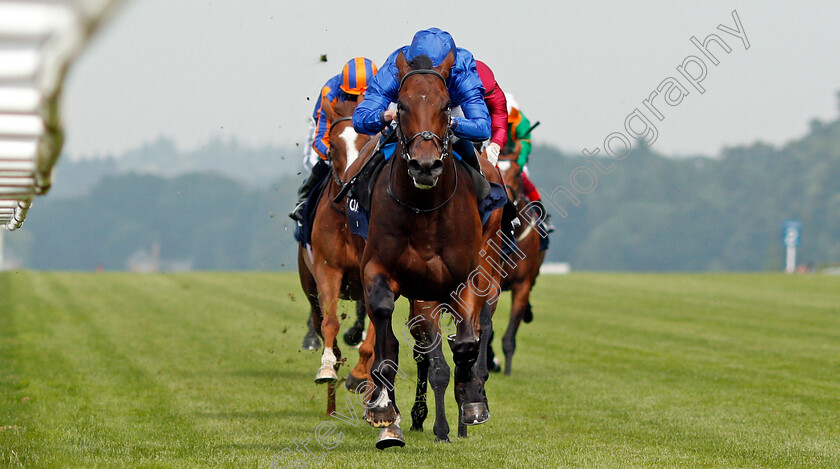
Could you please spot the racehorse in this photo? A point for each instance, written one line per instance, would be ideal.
(520, 275)
(331, 270)
(423, 243)
(425, 332)
(425, 328)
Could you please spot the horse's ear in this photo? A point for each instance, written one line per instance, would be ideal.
(402, 66)
(326, 105)
(445, 67)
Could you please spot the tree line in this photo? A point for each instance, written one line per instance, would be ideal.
(650, 213)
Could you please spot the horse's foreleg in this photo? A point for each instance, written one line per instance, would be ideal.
(382, 410)
(469, 388)
(424, 329)
(420, 410)
(311, 340)
(473, 329)
(486, 321)
(439, 380)
(492, 361)
(354, 334)
(361, 372)
(520, 306)
(329, 282)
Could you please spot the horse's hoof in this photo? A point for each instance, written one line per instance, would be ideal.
(311, 342)
(379, 417)
(474, 413)
(442, 440)
(353, 336)
(416, 429)
(494, 366)
(390, 436)
(529, 314)
(326, 374)
(352, 383)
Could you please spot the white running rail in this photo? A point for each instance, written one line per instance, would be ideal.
(38, 41)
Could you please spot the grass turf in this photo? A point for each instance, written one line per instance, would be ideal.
(617, 370)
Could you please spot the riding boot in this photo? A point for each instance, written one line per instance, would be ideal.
(545, 220)
(510, 221)
(319, 171)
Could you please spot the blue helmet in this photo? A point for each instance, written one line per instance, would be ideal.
(433, 42)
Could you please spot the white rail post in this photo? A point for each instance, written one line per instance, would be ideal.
(39, 39)
(791, 237)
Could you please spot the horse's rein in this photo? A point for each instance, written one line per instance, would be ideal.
(415, 209)
(340, 119)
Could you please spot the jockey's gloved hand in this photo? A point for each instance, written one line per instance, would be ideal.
(492, 152)
(389, 115)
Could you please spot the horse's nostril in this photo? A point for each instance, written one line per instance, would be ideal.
(415, 167)
(429, 168)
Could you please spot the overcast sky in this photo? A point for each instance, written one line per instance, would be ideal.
(195, 70)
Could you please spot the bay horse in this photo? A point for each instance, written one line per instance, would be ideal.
(331, 270)
(424, 327)
(423, 243)
(520, 274)
(424, 332)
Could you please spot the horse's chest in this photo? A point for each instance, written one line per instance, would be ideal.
(423, 263)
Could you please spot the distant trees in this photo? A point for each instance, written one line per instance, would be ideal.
(212, 220)
(657, 213)
(648, 213)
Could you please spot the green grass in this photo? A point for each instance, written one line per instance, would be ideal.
(617, 370)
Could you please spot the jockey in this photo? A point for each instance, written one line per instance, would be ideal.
(347, 85)
(519, 131)
(464, 85)
(496, 103)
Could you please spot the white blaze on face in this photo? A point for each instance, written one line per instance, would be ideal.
(349, 136)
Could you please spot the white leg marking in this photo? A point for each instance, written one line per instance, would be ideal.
(364, 336)
(383, 399)
(328, 358)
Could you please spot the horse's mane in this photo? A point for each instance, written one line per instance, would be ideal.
(421, 62)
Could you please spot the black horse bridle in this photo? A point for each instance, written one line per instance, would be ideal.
(442, 144)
